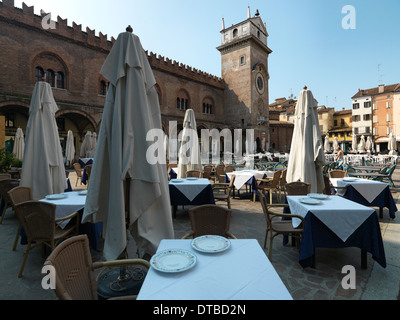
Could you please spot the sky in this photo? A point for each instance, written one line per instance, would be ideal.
(311, 40)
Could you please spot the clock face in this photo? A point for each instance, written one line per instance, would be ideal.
(260, 83)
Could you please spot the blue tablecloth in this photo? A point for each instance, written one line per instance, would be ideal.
(383, 200)
(316, 234)
(178, 198)
(83, 164)
(172, 174)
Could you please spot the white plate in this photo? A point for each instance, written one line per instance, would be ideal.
(83, 193)
(177, 180)
(192, 178)
(318, 196)
(173, 261)
(211, 244)
(310, 201)
(56, 196)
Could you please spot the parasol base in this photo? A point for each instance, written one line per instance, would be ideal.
(117, 282)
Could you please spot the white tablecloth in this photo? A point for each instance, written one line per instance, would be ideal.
(369, 189)
(72, 203)
(241, 177)
(190, 188)
(342, 216)
(243, 272)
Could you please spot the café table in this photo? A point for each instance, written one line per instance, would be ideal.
(368, 169)
(190, 192)
(248, 177)
(85, 161)
(337, 222)
(69, 203)
(367, 192)
(242, 272)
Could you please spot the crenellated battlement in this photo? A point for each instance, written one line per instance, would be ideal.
(166, 64)
(26, 16)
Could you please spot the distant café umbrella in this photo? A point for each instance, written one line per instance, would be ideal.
(354, 143)
(94, 141)
(368, 144)
(19, 144)
(125, 188)
(392, 144)
(327, 147)
(361, 146)
(43, 166)
(86, 146)
(335, 144)
(70, 148)
(189, 152)
(307, 157)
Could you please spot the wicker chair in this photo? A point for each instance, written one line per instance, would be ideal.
(78, 172)
(5, 186)
(40, 224)
(207, 172)
(75, 269)
(16, 196)
(276, 225)
(210, 219)
(223, 191)
(282, 184)
(298, 188)
(229, 168)
(220, 174)
(269, 185)
(337, 174)
(5, 176)
(194, 174)
(88, 169)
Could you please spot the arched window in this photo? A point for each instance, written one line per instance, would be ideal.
(235, 33)
(49, 67)
(50, 78)
(103, 88)
(60, 80)
(183, 101)
(208, 106)
(39, 74)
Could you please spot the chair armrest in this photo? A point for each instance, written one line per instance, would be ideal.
(67, 218)
(121, 263)
(230, 235)
(188, 235)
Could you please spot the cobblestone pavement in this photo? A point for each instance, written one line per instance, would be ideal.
(321, 283)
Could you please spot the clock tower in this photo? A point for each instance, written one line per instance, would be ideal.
(244, 54)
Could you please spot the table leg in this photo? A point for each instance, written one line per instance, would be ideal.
(381, 213)
(174, 208)
(364, 263)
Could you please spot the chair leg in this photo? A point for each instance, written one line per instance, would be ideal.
(16, 238)
(28, 248)
(271, 240)
(4, 213)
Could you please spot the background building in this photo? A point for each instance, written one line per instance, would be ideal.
(70, 59)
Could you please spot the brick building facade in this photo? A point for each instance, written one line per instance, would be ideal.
(70, 59)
